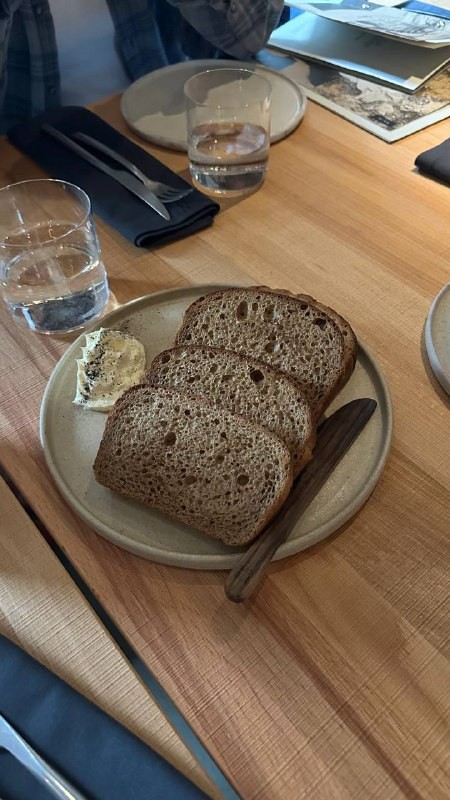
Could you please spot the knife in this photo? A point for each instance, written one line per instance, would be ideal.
(58, 786)
(334, 437)
(120, 175)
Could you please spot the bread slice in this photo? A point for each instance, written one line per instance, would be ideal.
(209, 468)
(350, 341)
(293, 334)
(243, 386)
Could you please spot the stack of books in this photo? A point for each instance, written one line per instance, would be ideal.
(347, 52)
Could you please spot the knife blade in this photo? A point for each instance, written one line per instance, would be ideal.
(334, 437)
(58, 786)
(121, 176)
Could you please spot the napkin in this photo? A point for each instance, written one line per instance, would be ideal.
(436, 161)
(100, 757)
(111, 201)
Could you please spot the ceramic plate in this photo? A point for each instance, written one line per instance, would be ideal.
(437, 337)
(71, 435)
(153, 106)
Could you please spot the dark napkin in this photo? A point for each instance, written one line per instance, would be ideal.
(436, 161)
(99, 756)
(111, 201)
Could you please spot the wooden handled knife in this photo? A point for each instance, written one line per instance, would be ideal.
(334, 437)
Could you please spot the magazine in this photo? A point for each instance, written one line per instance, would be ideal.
(399, 24)
(388, 113)
(402, 66)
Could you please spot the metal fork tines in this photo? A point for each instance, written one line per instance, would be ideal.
(166, 193)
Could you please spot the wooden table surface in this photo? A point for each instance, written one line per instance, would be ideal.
(43, 611)
(333, 681)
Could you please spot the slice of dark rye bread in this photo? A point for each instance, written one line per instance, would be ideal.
(244, 386)
(209, 468)
(292, 333)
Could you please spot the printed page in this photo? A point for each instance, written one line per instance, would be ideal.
(396, 23)
(350, 49)
(383, 111)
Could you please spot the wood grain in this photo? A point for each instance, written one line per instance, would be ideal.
(332, 682)
(43, 612)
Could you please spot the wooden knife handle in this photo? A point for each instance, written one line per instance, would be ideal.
(335, 436)
(243, 579)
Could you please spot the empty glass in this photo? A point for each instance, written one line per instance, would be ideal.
(51, 270)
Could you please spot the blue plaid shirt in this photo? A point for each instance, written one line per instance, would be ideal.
(149, 34)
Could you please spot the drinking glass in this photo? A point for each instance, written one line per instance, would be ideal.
(51, 270)
(228, 121)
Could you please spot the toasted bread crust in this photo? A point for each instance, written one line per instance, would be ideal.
(244, 386)
(220, 471)
(208, 468)
(240, 319)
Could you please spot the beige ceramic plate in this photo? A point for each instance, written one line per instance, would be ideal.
(154, 105)
(71, 435)
(437, 337)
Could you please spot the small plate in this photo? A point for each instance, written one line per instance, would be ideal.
(437, 337)
(154, 105)
(71, 435)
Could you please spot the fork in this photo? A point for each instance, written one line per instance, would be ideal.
(166, 193)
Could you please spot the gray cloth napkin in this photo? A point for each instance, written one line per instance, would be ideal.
(436, 161)
(111, 201)
(97, 755)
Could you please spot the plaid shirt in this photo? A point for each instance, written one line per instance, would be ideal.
(149, 34)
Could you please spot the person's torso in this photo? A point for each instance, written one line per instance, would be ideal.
(97, 55)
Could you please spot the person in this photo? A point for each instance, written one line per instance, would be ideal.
(149, 34)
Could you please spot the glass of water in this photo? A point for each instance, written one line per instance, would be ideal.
(51, 271)
(228, 121)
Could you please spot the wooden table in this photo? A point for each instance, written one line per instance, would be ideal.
(333, 681)
(43, 611)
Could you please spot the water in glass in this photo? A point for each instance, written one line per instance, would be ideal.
(54, 287)
(228, 157)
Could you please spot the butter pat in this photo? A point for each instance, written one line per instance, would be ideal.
(112, 361)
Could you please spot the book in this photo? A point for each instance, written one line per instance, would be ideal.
(388, 113)
(400, 24)
(354, 50)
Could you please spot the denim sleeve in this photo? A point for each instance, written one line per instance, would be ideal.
(8, 7)
(238, 27)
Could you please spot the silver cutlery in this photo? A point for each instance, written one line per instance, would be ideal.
(124, 178)
(57, 785)
(166, 193)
